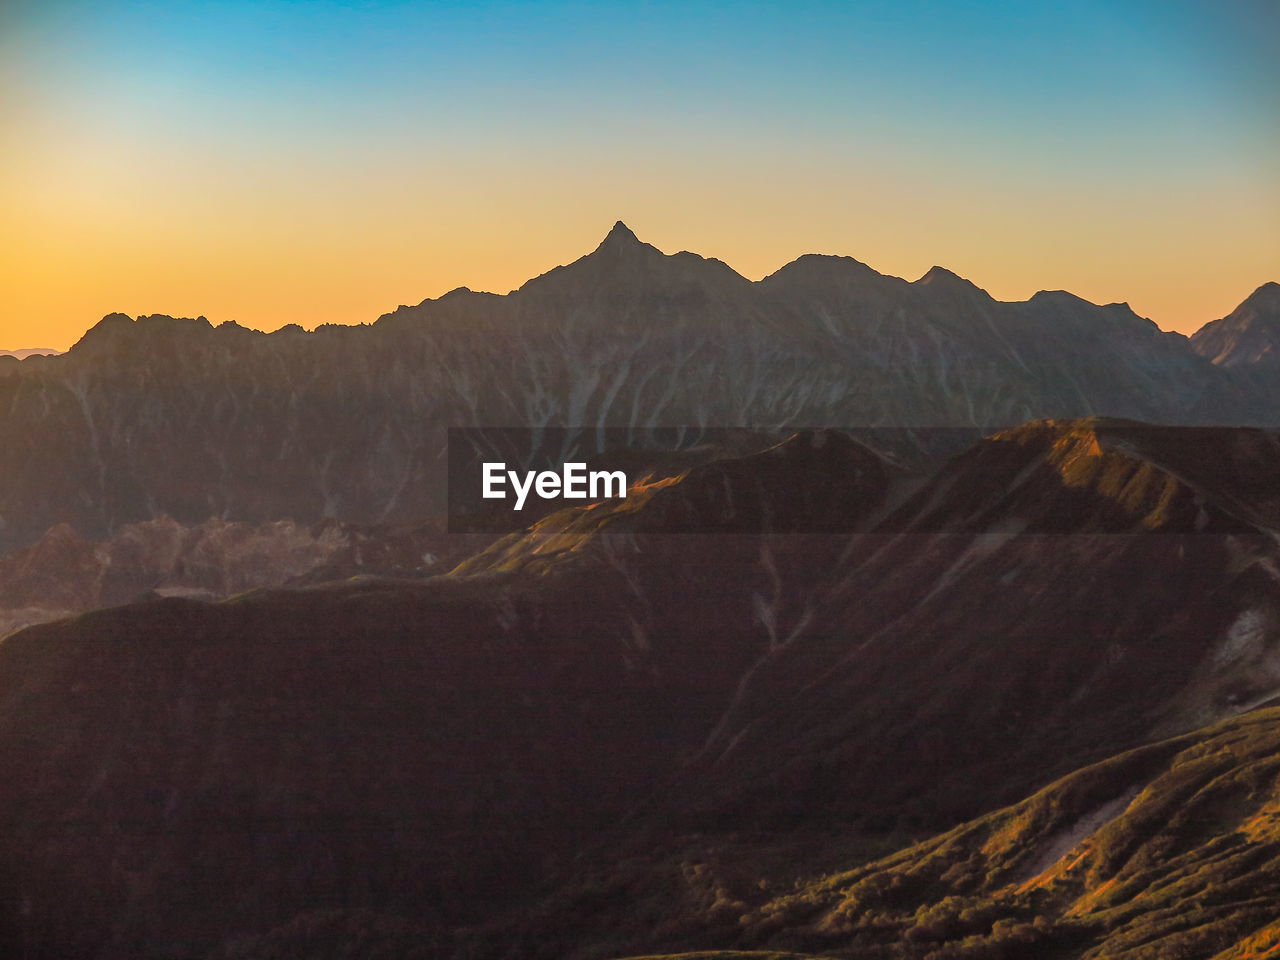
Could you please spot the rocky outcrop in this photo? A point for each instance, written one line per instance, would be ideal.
(1250, 334)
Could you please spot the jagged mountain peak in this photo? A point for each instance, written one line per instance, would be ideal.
(1249, 334)
(109, 323)
(1262, 306)
(947, 281)
(623, 261)
(115, 324)
(829, 260)
(620, 236)
(110, 329)
(938, 274)
(621, 243)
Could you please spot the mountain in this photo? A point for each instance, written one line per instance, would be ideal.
(1056, 594)
(1170, 850)
(162, 416)
(64, 573)
(30, 352)
(1250, 334)
(1025, 568)
(792, 662)
(1166, 851)
(633, 728)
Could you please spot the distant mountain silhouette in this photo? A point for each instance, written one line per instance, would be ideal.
(30, 352)
(162, 416)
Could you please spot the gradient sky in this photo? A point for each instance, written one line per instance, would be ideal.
(320, 162)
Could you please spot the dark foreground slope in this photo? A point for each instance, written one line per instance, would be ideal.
(1099, 582)
(180, 773)
(63, 573)
(185, 773)
(1056, 594)
(1167, 851)
(612, 736)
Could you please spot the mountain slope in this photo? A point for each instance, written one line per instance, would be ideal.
(533, 756)
(184, 773)
(411, 751)
(1171, 850)
(1053, 595)
(161, 416)
(63, 573)
(1249, 334)
(1037, 567)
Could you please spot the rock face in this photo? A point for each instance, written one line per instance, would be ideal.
(1250, 334)
(547, 752)
(160, 416)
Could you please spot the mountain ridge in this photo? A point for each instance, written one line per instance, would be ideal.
(569, 752)
(621, 242)
(350, 422)
(1248, 335)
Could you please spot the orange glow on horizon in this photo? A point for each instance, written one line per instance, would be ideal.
(55, 285)
(324, 163)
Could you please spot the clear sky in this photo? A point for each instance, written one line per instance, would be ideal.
(320, 162)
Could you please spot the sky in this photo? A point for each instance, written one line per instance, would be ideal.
(324, 162)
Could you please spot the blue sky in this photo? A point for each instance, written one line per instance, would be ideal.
(1106, 146)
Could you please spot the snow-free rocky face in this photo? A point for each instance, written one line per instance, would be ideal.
(160, 416)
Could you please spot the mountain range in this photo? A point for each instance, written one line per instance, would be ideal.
(611, 736)
(1010, 688)
(170, 417)
(30, 352)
